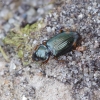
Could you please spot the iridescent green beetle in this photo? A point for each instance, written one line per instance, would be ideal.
(56, 46)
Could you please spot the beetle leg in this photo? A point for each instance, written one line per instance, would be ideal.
(81, 48)
(74, 44)
(56, 58)
(60, 61)
(61, 30)
(36, 47)
(44, 42)
(67, 30)
(64, 30)
(44, 62)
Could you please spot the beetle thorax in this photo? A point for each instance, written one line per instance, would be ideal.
(42, 53)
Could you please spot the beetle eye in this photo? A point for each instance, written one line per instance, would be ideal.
(34, 57)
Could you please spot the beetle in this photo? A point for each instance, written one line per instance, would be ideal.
(56, 46)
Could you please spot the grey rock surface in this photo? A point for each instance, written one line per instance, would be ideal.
(76, 79)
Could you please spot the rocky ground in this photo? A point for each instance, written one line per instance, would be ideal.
(76, 79)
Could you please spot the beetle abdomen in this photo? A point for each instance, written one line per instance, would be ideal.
(61, 42)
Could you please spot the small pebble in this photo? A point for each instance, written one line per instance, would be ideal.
(12, 66)
(31, 12)
(7, 27)
(1, 35)
(96, 44)
(53, 29)
(49, 29)
(11, 21)
(24, 98)
(80, 16)
(78, 54)
(1, 73)
(87, 79)
(40, 11)
(34, 42)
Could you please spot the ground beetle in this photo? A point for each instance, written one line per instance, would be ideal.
(56, 46)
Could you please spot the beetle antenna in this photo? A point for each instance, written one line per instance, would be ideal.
(17, 72)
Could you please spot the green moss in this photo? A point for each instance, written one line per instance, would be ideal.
(4, 54)
(20, 53)
(19, 39)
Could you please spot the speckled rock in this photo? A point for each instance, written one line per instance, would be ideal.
(78, 78)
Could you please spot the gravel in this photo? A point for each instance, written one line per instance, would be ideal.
(78, 78)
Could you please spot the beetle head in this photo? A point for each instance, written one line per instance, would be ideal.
(41, 53)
